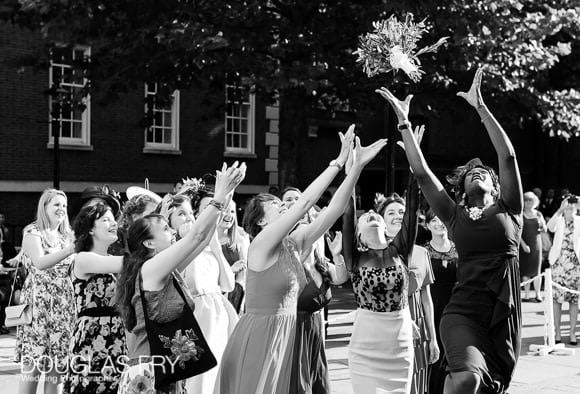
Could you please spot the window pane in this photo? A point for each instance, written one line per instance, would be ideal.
(158, 136)
(244, 141)
(244, 124)
(167, 120)
(149, 135)
(167, 136)
(77, 130)
(65, 129)
(229, 124)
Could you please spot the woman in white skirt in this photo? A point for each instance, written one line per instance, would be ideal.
(377, 252)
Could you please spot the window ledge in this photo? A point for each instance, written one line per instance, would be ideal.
(157, 151)
(62, 146)
(246, 155)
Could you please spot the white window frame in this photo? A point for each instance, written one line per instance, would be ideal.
(250, 127)
(85, 140)
(173, 145)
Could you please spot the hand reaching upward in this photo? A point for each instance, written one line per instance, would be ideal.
(473, 96)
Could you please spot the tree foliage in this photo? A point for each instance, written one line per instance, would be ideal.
(530, 49)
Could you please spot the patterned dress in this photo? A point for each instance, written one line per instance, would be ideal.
(50, 294)
(98, 340)
(566, 269)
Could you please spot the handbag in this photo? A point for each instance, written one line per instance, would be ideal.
(17, 315)
(178, 347)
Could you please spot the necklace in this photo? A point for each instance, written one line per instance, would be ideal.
(475, 213)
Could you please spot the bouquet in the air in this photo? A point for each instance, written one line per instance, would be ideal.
(392, 45)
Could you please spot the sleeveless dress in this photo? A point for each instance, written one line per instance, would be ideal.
(214, 313)
(259, 354)
(530, 263)
(163, 306)
(44, 343)
(97, 350)
(420, 275)
(444, 266)
(480, 327)
(380, 353)
(309, 366)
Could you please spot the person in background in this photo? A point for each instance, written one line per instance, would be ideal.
(549, 204)
(235, 243)
(531, 245)
(443, 256)
(564, 258)
(47, 247)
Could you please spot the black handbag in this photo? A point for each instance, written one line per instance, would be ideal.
(178, 347)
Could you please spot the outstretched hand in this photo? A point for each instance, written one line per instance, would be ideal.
(334, 245)
(362, 155)
(228, 178)
(401, 108)
(418, 134)
(473, 96)
(345, 144)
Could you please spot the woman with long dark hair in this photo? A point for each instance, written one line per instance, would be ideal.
(480, 327)
(97, 349)
(151, 293)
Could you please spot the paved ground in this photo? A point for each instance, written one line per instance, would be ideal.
(551, 374)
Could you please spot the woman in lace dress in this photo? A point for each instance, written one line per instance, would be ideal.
(42, 347)
(380, 354)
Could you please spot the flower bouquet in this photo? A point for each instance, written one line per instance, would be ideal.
(393, 46)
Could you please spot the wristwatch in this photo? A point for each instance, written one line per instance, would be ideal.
(336, 163)
(404, 126)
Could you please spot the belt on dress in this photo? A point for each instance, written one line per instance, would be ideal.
(99, 312)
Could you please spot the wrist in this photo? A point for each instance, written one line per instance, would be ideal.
(336, 163)
(404, 125)
(216, 204)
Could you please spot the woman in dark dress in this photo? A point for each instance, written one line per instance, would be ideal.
(531, 245)
(443, 255)
(481, 325)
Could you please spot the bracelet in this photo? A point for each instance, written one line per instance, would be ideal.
(404, 126)
(336, 163)
(218, 205)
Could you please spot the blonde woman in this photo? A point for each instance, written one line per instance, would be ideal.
(42, 346)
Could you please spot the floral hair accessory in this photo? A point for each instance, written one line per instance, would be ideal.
(392, 45)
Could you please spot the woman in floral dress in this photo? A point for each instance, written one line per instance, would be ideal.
(42, 346)
(564, 258)
(97, 350)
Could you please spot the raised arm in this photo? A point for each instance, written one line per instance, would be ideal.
(267, 242)
(307, 235)
(32, 244)
(405, 238)
(338, 271)
(349, 251)
(158, 268)
(509, 173)
(432, 188)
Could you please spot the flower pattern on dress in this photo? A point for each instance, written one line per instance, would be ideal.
(141, 384)
(182, 346)
(97, 348)
(50, 294)
(566, 269)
